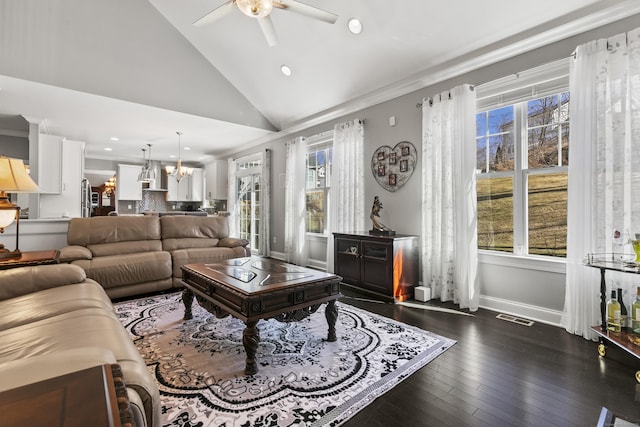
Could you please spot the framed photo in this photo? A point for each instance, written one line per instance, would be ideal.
(392, 158)
(392, 179)
(404, 165)
(381, 156)
(405, 150)
(381, 170)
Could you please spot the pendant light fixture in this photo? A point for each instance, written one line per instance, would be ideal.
(178, 171)
(147, 174)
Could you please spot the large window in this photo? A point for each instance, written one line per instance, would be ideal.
(319, 159)
(522, 159)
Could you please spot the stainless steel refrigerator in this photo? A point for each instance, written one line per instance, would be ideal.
(86, 198)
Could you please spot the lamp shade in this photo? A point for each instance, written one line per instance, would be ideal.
(14, 177)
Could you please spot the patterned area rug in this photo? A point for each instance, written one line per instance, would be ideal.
(303, 380)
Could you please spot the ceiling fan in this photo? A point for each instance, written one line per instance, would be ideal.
(261, 9)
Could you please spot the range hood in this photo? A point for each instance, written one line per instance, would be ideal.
(160, 183)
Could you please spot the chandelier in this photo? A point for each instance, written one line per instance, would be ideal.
(147, 174)
(110, 186)
(178, 171)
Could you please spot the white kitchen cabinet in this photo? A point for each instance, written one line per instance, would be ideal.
(189, 189)
(216, 180)
(50, 164)
(196, 187)
(127, 185)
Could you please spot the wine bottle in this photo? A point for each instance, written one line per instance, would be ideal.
(624, 316)
(613, 314)
(635, 318)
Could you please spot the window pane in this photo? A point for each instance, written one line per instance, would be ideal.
(481, 155)
(548, 131)
(502, 152)
(481, 124)
(315, 211)
(501, 120)
(495, 213)
(547, 196)
(494, 140)
(541, 111)
(543, 147)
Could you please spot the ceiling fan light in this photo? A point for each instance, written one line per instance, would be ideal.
(255, 8)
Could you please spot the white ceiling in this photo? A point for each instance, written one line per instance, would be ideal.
(138, 70)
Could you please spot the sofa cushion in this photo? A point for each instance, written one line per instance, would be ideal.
(51, 302)
(121, 270)
(179, 232)
(112, 229)
(127, 247)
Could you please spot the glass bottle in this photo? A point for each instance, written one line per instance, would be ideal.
(624, 316)
(635, 318)
(613, 314)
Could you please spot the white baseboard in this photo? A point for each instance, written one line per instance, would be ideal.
(535, 313)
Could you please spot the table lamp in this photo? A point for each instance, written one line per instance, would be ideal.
(13, 179)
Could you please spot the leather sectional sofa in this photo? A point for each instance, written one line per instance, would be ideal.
(132, 255)
(56, 321)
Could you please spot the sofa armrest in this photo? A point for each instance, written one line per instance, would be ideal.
(25, 280)
(74, 252)
(232, 242)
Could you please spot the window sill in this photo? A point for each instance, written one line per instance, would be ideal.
(529, 262)
(316, 236)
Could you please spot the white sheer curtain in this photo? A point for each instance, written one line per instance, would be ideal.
(449, 247)
(264, 228)
(295, 242)
(604, 168)
(346, 196)
(234, 228)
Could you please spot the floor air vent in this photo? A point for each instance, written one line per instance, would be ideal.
(514, 319)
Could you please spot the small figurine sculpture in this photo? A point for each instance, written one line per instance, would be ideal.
(378, 227)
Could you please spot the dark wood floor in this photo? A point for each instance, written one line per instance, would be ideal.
(503, 374)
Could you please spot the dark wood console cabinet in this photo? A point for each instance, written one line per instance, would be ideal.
(385, 266)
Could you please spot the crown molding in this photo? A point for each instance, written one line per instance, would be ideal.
(14, 133)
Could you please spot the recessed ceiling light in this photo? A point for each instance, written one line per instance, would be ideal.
(355, 26)
(187, 148)
(285, 70)
(173, 156)
(107, 148)
(113, 138)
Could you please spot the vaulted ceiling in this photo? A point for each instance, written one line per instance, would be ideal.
(139, 70)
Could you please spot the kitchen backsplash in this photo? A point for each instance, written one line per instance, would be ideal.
(154, 201)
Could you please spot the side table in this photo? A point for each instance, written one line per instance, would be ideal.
(94, 397)
(31, 258)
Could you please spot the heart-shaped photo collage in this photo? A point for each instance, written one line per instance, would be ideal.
(392, 167)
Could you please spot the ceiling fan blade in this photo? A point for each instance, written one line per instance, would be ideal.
(215, 14)
(305, 9)
(268, 30)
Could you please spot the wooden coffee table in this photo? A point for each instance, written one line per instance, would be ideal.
(256, 288)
